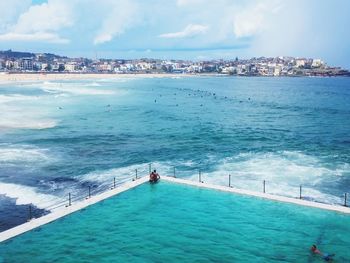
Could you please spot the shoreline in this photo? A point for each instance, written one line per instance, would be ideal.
(23, 77)
(29, 77)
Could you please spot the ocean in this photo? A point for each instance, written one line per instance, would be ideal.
(58, 137)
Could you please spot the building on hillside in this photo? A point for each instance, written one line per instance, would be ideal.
(317, 63)
(70, 67)
(26, 64)
(300, 62)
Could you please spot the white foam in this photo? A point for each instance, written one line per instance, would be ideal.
(283, 173)
(17, 122)
(20, 115)
(72, 88)
(63, 211)
(24, 155)
(93, 84)
(117, 80)
(15, 98)
(25, 195)
(125, 173)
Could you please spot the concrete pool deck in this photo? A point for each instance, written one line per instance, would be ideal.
(340, 209)
(76, 206)
(63, 211)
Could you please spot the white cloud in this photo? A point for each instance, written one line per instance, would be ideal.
(122, 15)
(252, 20)
(10, 10)
(47, 17)
(38, 36)
(189, 31)
(188, 2)
(41, 23)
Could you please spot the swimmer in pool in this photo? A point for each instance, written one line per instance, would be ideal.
(325, 256)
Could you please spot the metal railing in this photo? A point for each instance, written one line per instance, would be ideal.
(79, 196)
(344, 197)
(95, 190)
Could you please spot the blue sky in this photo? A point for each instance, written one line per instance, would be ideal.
(187, 29)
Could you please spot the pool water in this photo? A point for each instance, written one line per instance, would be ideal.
(176, 223)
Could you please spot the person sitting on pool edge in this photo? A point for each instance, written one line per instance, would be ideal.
(154, 177)
(325, 256)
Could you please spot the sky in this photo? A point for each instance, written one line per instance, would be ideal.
(179, 29)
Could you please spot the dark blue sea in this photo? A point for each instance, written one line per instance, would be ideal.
(58, 137)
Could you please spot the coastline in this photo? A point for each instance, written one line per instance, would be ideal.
(23, 77)
(30, 77)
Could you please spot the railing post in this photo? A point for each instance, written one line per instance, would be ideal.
(174, 173)
(89, 191)
(300, 189)
(200, 176)
(229, 180)
(69, 199)
(30, 213)
(113, 182)
(264, 186)
(136, 173)
(345, 199)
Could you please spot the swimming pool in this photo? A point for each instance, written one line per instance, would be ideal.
(176, 223)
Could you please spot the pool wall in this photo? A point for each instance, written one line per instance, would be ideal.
(34, 223)
(63, 211)
(341, 209)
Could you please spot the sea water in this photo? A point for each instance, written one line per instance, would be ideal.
(175, 223)
(58, 137)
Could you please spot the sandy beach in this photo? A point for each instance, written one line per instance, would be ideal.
(18, 77)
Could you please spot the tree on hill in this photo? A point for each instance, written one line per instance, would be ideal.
(60, 68)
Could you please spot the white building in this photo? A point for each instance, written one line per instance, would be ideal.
(299, 63)
(277, 71)
(316, 63)
(229, 70)
(70, 67)
(44, 66)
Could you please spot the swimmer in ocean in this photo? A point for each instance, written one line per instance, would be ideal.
(325, 256)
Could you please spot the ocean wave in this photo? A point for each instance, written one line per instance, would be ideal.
(24, 123)
(22, 116)
(123, 174)
(76, 88)
(15, 98)
(25, 195)
(283, 172)
(22, 112)
(93, 84)
(117, 79)
(24, 155)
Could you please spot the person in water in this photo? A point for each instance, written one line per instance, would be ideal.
(325, 256)
(154, 177)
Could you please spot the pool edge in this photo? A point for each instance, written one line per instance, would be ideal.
(334, 208)
(64, 211)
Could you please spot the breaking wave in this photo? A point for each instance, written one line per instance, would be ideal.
(24, 155)
(73, 88)
(25, 195)
(283, 172)
(22, 116)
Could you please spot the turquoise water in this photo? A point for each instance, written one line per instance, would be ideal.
(63, 136)
(175, 223)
